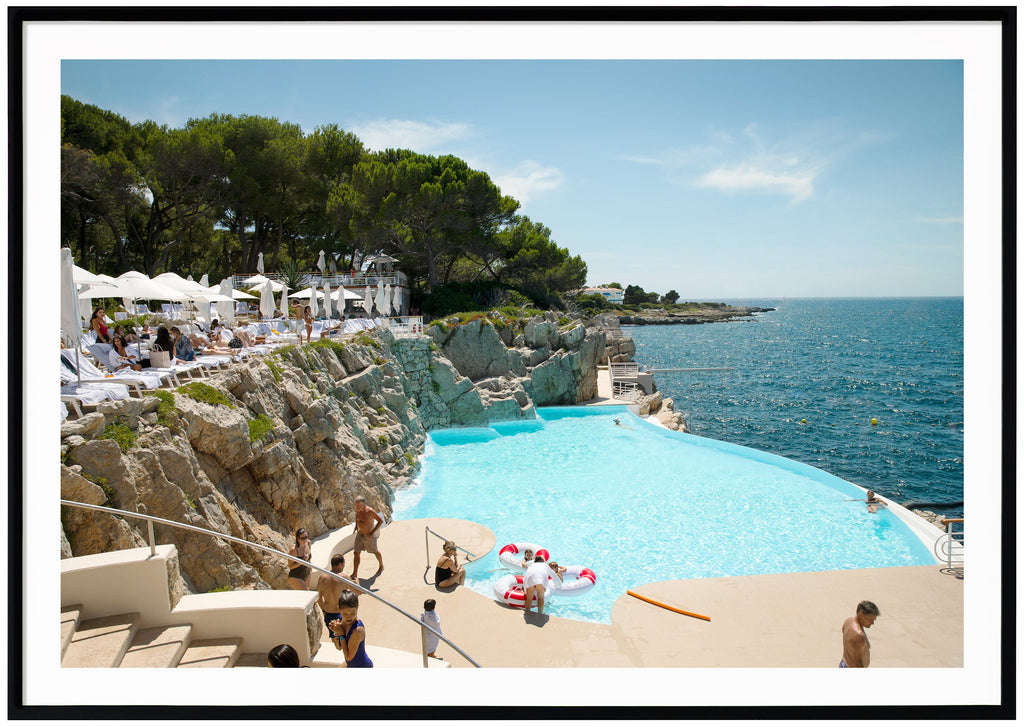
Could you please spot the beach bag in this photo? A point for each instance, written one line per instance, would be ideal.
(159, 359)
(235, 342)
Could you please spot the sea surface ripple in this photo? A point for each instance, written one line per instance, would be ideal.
(809, 377)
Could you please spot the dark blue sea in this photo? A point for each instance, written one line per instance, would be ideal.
(809, 377)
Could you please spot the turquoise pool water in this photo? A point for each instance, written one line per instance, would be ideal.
(638, 503)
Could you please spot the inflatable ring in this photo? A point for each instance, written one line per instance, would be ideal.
(512, 554)
(576, 581)
(509, 590)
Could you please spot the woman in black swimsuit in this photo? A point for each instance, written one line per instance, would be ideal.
(448, 572)
(298, 576)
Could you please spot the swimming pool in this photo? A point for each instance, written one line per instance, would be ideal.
(638, 503)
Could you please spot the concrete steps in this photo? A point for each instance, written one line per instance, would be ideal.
(160, 647)
(101, 642)
(216, 653)
(118, 642)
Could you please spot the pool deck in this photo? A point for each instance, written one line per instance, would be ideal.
(788, 620)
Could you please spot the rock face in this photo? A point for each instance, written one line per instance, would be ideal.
(346, 419)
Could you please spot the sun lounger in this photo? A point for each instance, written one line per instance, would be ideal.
(145, 379)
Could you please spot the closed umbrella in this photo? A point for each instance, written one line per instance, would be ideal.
(226, 310)
(397, 302)
(368, 301)
(379, 298)
(387, 300)
(259, 264)
(320, 263)
(267, 301)
(284, 301)
(205, 281)
(327, 301)
(70, 318)
(314, 309)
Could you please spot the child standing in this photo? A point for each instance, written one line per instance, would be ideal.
(349, 634)
(432, 620)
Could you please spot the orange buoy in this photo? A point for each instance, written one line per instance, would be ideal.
(666, 606)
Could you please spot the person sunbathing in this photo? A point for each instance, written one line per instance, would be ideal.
(121, 358)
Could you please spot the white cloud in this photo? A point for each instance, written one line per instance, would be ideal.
(420, 136)
(760, 177)
(527, 179)
(747, 162)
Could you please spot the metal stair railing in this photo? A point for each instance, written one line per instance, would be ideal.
(427, 532)
(150, 519)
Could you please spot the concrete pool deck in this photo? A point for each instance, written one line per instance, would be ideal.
(783, 620)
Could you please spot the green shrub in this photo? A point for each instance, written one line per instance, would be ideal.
(383, 440)
(220, 589)
(332, 345)
(275, 369)
(166, 408)
(365, 339)
(124, 435)
(205, 393)
(260, 427)
(285, 350)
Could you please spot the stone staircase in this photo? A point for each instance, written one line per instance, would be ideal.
(117, 641)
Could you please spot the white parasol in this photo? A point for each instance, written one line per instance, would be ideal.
(205, 281)
(267, 301)
(226, 310)
(378, 300)
(327, 300)
(368, 301)
(70, 319)
(259, 264)
(397, 302)
(284, 301)
(321, 263)
(386, 309)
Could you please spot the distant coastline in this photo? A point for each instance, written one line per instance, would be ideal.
(704, 314)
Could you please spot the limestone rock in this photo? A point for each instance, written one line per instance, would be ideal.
(89, 426)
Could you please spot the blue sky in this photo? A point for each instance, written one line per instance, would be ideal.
(715, 178)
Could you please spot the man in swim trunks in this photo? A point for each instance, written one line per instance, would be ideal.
(329, 591)
(367, 525)
(856, 647)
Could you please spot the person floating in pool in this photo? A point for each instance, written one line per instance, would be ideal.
(874, 504)
(527, 560)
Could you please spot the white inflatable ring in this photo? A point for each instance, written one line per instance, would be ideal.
(509, 590)
(576, 581)
(511, 555)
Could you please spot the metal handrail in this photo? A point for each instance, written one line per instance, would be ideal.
(949, 541)
(150, 519)
(426, 542)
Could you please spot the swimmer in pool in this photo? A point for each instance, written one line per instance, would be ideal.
(527, 560)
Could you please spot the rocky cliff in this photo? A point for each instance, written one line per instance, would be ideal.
(289, 439)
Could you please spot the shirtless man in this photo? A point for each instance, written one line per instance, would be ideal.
(329, 590)
(368, 523)
(856, 647)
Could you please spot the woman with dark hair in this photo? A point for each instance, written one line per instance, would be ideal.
(283, 656)
(121, 358)
(98, 324)
(348, 633)
(448, 572)
(182, 345)
(298, 576)
(307, 316)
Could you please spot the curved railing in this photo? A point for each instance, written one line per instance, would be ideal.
(150, 519)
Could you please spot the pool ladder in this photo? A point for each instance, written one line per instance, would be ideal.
(949, 547)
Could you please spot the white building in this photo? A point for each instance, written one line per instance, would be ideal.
(612, 295)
